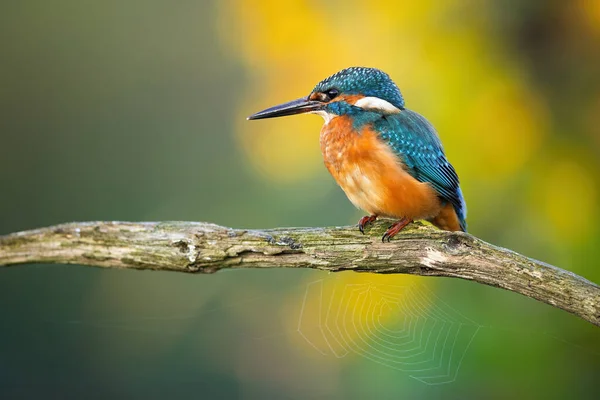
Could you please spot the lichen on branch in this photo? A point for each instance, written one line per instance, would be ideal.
(203, 247)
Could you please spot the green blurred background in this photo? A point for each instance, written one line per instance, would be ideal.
(135, 110)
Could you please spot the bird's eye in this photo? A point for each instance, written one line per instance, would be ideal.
(332, 93)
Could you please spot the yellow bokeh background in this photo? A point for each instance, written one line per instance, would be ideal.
(137, 111)
(493, 121)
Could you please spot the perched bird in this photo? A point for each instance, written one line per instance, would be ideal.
(388, 160)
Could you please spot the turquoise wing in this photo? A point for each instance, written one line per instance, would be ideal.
(415, 140)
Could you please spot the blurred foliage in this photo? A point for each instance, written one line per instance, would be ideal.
(136, 110)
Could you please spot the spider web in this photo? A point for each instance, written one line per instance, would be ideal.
(407, 328)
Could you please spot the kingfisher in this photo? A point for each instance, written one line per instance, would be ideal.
(388, 160)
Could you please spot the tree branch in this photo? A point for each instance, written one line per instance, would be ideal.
(203, 247)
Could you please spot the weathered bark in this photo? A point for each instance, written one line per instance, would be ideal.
(204, 247)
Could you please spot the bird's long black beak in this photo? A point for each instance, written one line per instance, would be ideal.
(299, 106)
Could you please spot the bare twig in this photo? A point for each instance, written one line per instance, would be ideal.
(204, 247)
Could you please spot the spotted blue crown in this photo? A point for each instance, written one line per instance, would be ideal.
(364, 81)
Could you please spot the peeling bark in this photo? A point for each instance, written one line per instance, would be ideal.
(202, 247)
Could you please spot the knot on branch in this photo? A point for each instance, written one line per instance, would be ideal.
(201, 247)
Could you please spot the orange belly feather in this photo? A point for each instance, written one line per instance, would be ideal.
(375, 179)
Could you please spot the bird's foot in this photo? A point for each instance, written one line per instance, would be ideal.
(395, 228)
(364, 221)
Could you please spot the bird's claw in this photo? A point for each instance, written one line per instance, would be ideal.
(394, 229)
(386, 236)
(364, 221)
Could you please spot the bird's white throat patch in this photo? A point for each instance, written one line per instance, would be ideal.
(326, 116)
(371, 103)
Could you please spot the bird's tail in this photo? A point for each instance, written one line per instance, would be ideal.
(461, 211)
(452, 217)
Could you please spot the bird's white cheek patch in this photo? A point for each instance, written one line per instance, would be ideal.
(376, 104)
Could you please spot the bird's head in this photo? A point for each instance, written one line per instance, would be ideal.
(351, 90)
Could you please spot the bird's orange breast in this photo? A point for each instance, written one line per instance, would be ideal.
(373, 177)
